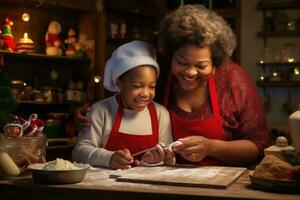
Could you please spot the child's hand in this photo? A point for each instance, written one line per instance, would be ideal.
(169, 156)
(154, 156)
(121, 159)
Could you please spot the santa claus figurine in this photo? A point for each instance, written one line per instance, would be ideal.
(33, 126)
(6, 37)
(54, 45)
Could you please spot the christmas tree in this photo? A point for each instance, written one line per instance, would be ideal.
(7, 101)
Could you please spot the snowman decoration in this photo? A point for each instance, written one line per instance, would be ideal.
(54, 45)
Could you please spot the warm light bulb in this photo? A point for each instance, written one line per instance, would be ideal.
(275, 73)
(297, 71)
(25, 17)
(262, 78)
(261, 62)
(97, 79)
(291, 60)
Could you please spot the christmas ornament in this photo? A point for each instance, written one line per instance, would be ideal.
(54, 45)
(25, 44)
(70, 41)
(13, 130)
(74, 48)
(31, 127)
(6, 37)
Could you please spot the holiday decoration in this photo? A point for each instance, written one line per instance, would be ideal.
(117, 32)
(70, 41)
(7, 100)
(25, 44)
(54, 45)
(31, 127)
(6, 37)
(13, 130)
(74, 48)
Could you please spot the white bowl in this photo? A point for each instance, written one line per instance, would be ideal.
(46, 176)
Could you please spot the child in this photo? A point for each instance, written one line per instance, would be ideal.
(128, 122)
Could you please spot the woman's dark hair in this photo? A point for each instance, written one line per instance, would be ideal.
(194, 24)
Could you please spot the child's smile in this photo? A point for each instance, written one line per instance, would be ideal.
(137, 87)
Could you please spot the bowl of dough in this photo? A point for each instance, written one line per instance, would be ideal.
(58, 171)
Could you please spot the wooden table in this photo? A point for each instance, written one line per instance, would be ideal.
(98, 185)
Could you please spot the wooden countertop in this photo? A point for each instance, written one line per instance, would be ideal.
(98, 185)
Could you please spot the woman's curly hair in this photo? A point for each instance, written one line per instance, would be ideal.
(195, 24)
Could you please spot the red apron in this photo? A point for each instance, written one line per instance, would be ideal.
(135, 143)
(210, 127)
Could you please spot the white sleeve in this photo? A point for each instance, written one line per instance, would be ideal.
(89, 147)
(165, 128)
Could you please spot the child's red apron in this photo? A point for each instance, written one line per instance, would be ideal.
(210, 127)
(135, 143)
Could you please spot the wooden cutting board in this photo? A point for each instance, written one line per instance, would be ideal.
(209, 177)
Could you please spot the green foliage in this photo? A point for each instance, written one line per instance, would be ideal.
(292, 157)
(7, 101)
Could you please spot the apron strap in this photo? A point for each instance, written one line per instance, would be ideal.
(214, 99)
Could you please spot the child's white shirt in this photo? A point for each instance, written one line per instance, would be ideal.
(91, 141)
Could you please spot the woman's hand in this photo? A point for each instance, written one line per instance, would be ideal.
(79, 116)
(154, 156)
(121, 159)
(193, 148)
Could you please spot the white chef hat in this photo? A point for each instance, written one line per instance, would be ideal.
(125, 58)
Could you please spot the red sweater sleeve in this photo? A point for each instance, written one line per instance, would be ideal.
(241, 106)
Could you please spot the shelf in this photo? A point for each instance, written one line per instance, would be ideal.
(71, 6)
(278, 84)
(56, 143)
(273, 6)
(279, 64)
(279, 34)
(29, 102)
(43, 57)
(131, 9)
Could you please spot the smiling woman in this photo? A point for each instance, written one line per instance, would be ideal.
(215, 109)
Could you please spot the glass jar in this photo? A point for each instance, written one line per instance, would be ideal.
(24, 150)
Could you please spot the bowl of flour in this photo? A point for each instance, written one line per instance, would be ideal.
(58, 171)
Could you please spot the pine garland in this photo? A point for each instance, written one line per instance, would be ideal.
(7, 101)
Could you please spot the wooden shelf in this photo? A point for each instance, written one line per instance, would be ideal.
(279, 34)
(71, 6)
(49, 103)
(278, 84)
(279, 64)
(54, 143)
(273, 6)
(43, 57)
(131, 9)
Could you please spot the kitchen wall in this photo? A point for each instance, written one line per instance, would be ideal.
(252, 50)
